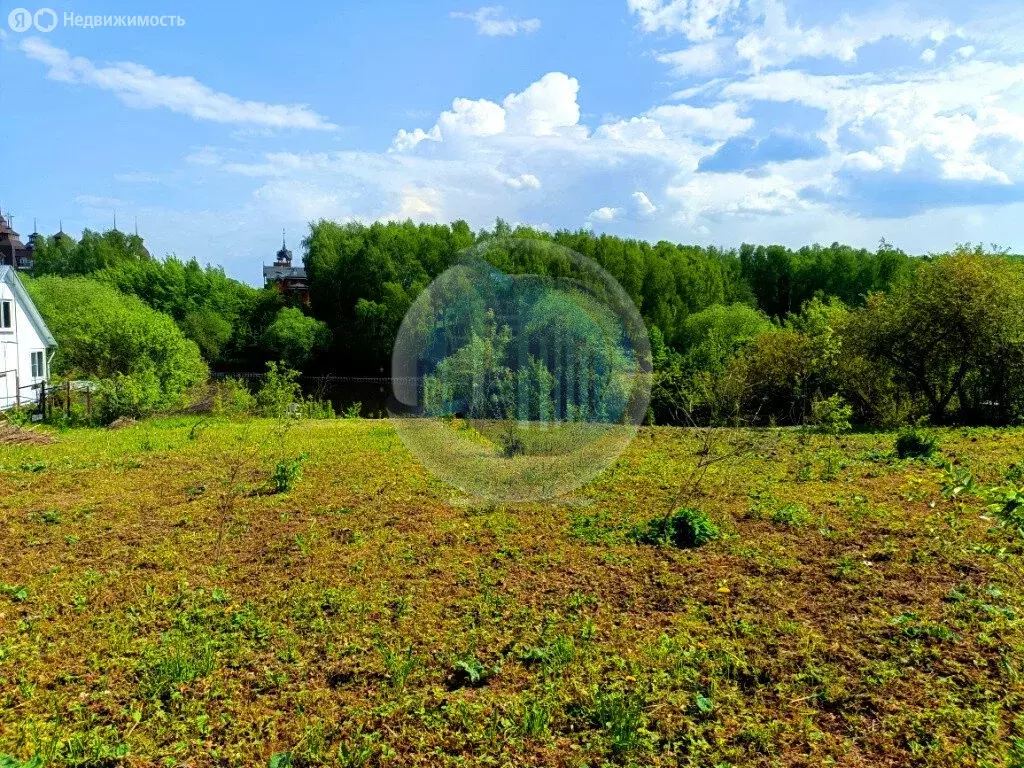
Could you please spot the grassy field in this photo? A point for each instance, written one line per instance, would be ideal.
(161, 604)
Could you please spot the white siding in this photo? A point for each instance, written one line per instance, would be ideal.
(17, 344)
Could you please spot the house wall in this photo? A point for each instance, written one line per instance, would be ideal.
(16, 347)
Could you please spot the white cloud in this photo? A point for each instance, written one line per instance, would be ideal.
(697, 19)
(966, 51)
(523, 181)
(203, 156)
(545, 108)
(946, 114)
(718, 122)
(928, 55)
(405, 140)
(470, 118)
(702, 59)
(142, 88)
(489, 21)
(777, 42)
(760, 33)
(604, 214)
(420, 203)
(644, 205)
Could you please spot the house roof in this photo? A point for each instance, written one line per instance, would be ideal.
(10, 278)
(275, 272)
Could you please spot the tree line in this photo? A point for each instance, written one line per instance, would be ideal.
(756, 334)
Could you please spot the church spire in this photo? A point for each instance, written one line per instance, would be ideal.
(284, 256)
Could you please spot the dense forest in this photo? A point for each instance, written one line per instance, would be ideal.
(754, 335)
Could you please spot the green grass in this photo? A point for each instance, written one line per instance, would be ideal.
(162, 604)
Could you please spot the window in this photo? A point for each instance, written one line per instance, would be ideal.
(5, 314)
(38, 366)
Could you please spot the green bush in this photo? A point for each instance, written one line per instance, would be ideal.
(314, 408)
(684, 528)
(280, 394)
(913, 443)
(287, 473)
(140, 357)
(231, 397)
(294, 337)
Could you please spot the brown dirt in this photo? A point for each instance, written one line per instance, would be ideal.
(14, 435)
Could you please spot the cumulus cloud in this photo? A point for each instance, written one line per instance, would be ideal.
(545, 108)
(604, 214)
(491, 21)
(142, 88)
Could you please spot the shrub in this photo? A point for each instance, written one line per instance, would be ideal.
(232, 397)
(313, 408)
(915, 443)
(793, 515)
(280, 393)
(127, 396)
(684, 528)
(287, 473)
(139, 355)
(470, 672)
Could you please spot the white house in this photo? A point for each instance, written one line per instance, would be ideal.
(26, 344)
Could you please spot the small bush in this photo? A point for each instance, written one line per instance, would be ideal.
(470, 672)
(132, 397)
(313, 408)
(354, 410)
(19, 417)
(280, 394)
(511, 443)
(287, 473)
(914, 443)
(793, 515)
(231, 397)
(684, 528)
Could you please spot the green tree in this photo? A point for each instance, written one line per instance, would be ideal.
(952, 334)
(139, 354)
(295, 338)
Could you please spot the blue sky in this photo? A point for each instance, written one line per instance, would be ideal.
(698, 121)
